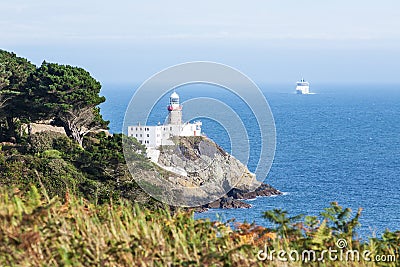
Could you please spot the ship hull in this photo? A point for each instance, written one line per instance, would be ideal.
(302, 91)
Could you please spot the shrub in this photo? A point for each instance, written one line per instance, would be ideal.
(43, 141)
(51, 154)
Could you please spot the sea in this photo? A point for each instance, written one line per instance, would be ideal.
(339, 144)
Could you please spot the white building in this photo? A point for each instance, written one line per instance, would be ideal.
(154, 136)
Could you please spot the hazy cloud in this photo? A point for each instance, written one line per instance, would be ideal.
(45, 21)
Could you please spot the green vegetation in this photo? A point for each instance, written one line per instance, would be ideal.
(65, 95)
(69, 199)
(37, 230)
(86, 160)
(98, 172)
(14, 72)
(69, 96)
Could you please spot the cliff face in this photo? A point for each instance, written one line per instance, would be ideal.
(200, 162)
(197, 172)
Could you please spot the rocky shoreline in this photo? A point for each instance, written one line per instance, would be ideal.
(233, 199)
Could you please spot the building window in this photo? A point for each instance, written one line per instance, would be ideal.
(148, 135)
(136, 135)
(140, 135)
(136, 128)
(140, 128)
(140, 141)
(170, 128)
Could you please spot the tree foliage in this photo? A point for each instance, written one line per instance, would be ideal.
(67, 95)
(14, 72)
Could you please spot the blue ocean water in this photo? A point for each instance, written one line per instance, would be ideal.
(340, 144)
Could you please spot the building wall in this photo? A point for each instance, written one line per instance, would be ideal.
(191, 129)
(154, 136)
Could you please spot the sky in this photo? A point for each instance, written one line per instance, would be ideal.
(126, 41)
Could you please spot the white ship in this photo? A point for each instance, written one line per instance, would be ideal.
(303, 87)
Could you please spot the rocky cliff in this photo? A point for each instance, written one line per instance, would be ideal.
(199, 163)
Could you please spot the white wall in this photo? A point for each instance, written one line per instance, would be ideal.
(154, 136)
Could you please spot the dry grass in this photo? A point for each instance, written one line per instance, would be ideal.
(38, 231)
(35, 231)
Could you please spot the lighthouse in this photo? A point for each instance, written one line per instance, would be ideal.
(175, 110)
(153, 136)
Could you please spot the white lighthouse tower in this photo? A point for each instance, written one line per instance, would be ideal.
(175, 110)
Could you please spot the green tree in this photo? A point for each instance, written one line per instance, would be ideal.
(4, 82)
(67, 95)
(14, 72)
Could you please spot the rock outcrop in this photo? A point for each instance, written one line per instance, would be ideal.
(233, 198)
(200, 164)
(227, 203)
(264, 190)
(204, 162)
